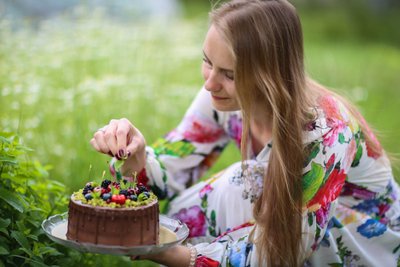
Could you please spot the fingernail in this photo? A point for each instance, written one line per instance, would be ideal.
(118, 157)
(121, 153)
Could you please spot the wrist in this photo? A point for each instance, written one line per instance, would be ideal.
(133, 166)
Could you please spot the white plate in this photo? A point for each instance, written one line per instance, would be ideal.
(172, 233)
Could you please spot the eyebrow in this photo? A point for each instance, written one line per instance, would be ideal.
(222, 69)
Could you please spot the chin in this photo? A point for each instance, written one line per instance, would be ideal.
(226, 108)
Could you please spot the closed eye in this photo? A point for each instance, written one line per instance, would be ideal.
(229, 75)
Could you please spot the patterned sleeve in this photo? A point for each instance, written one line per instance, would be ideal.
(181, 157)
(331, 151)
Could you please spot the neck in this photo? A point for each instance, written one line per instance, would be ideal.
(261, 133)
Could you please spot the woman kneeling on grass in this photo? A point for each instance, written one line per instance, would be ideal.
(314, 186)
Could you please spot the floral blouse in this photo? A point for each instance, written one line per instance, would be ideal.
(351, 200)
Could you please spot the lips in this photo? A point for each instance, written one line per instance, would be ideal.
(219, 97)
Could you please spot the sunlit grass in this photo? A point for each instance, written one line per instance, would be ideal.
(62, 82)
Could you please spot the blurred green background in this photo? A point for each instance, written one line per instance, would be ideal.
(68, 72)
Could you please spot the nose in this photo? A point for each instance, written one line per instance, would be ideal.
(212, 82)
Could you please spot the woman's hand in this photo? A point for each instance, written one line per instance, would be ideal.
(122, 140)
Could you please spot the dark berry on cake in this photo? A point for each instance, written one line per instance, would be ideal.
(105, 184)
(106, 196)
(124, 192)
(85, 191)
(142, 188)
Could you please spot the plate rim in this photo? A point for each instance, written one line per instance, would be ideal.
(83, 246)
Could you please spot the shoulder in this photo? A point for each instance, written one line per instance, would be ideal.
(332, 122)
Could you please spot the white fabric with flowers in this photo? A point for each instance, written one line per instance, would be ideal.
(351, 200)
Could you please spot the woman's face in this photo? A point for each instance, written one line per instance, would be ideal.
(217, 70)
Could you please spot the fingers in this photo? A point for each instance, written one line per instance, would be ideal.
(99, 143)
(117, 139)
(137, 144)
(110, 137)
(124, 133)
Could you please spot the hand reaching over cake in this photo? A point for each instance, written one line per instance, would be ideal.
(114, 213)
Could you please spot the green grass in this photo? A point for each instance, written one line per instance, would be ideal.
(58, 87)
(61, 83)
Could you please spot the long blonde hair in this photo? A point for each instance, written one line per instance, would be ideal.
(267, 44)
(266, 40)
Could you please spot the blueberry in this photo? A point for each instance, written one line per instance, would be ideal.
(133, 197)
(105, 183)
(142, 188)
(124, 192)
(88, 187)
(106, 196)
(88, 196)
(147, 194)
(85, 191)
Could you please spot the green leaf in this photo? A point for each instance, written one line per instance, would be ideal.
(118, 164)
(178, 149)
(3, 139)
(50, 251)
(204, 202)
(358, 156)
(33, 237)
(9, 160)
(124, 184)
(96, 194)
(341, 138)
(310, 219)
(11, 199)
(21, 239)
(213, 217)
(313, 150)
(3, 251)
(34, 222)
(4, 223)
(118, 175)
(114, 191)
(396, 249)
(4, 231)
(312, 181)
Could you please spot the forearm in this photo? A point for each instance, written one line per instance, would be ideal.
(178, 256)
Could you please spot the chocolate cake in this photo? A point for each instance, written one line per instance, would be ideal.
(114, 214)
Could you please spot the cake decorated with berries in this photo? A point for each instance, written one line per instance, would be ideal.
(114, 213)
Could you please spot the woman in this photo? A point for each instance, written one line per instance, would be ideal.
(314, 185)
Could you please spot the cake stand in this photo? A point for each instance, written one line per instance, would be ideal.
(172, 233)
